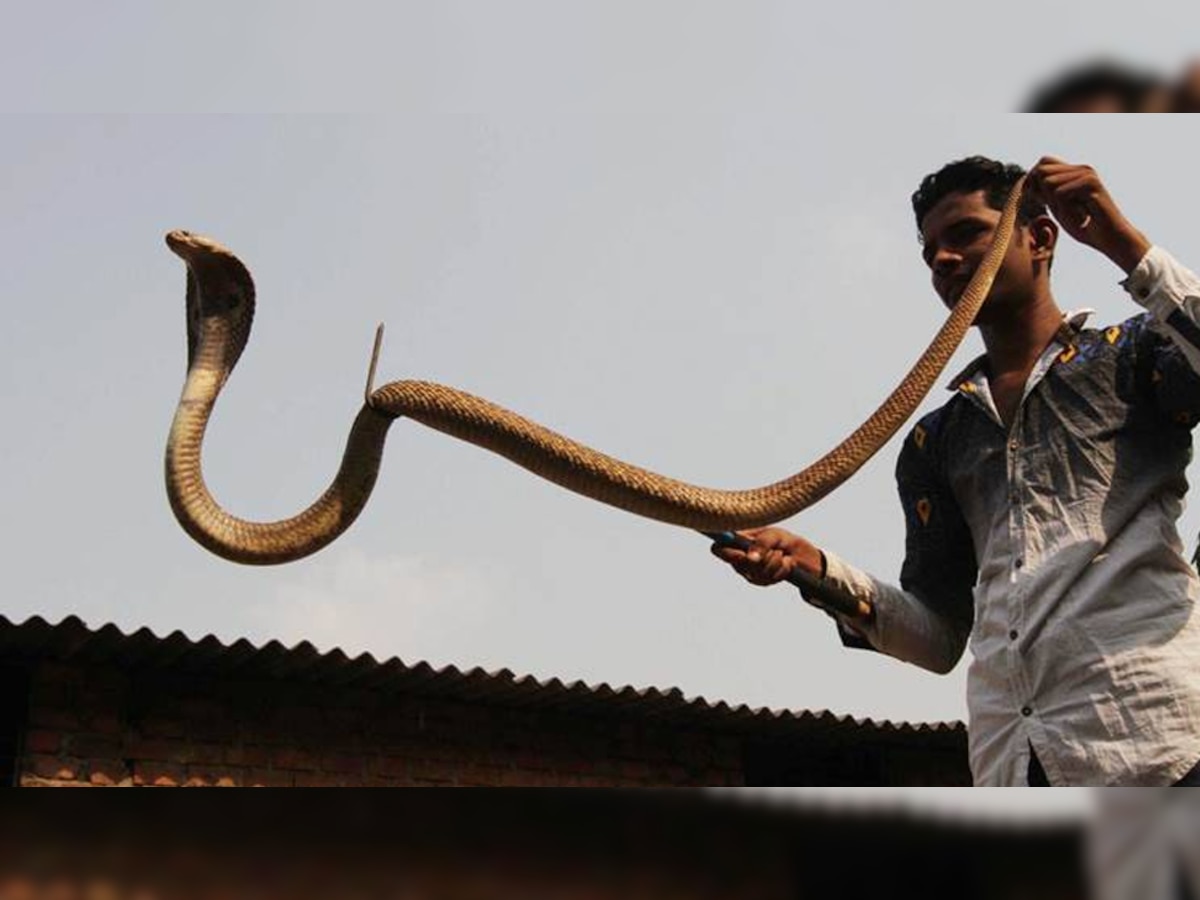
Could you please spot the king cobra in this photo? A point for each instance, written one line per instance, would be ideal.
(220, 308)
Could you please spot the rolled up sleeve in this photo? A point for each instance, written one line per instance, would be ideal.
(927, 619)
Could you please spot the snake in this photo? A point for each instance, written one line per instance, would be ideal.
(220, 304)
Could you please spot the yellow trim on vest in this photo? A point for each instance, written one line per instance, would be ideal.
(924, 510)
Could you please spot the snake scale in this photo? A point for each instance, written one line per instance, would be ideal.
(220, 309)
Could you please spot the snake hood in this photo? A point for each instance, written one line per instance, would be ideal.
(220, 296)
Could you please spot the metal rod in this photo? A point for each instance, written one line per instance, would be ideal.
(370, 388)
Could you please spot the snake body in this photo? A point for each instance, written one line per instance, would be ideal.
(220, 302)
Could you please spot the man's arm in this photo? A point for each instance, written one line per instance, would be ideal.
(1081, 203)
(924, 621)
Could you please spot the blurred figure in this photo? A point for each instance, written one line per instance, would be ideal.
(1098, 87)
(1144, 845)
(1107, 86)
(1187, 91)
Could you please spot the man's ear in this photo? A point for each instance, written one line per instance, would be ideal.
(1043, 237)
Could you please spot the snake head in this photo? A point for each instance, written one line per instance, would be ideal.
(220, 292)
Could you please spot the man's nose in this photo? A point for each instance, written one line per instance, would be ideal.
(944, 262)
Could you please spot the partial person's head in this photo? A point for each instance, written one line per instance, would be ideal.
(1102, 87)
(957, 209)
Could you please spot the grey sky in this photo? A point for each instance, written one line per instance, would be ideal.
(679, 235)
(559, 56)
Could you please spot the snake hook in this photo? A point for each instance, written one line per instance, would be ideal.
(369, 390)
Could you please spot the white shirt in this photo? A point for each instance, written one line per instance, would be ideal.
(1052, 546)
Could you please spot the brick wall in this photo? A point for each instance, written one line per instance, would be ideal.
(101, 726)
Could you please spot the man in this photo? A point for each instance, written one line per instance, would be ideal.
(1040, 501)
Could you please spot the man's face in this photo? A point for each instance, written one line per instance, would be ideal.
(956, 234)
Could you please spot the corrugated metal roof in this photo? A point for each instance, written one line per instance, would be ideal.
(71, 640)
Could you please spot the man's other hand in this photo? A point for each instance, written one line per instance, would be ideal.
(1081, 204)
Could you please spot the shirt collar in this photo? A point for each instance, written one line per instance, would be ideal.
(1073, 321)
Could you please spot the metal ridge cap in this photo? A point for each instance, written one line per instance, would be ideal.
(72, 638)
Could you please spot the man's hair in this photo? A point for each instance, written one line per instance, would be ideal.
(1091, 80)
(975, 173)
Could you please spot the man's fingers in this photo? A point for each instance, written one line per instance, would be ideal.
(1045, 166)
(753, 572)
(752, 554)
(758, 566)
(728, 554)
(1074, 194)
(1051, 173)
(751, 534)
(1071, 188)
(777, 566)
(739, 559)
(1071, 180)
(1052, 165)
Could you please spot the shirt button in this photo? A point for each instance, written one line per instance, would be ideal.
(1012, 635)
(1014, 445)
(1020, 562)
(1026, 711)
